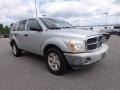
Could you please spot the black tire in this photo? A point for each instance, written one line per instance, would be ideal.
(17, 51)
(63, 68)
(119, 34)
(107, 36)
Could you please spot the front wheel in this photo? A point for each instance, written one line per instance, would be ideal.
(16, 51)
(56, 61)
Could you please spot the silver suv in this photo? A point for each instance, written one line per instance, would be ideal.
(62, 45)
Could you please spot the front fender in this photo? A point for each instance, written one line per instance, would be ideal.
(57, 42)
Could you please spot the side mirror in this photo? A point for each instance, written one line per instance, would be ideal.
(35, 29)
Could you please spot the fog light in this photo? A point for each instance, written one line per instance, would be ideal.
(87, 60)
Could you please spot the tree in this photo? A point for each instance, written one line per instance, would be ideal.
(1, 28)
(6, 30)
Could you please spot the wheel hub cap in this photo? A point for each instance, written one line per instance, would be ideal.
(53, 61)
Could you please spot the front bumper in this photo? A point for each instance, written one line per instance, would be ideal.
(86, 58)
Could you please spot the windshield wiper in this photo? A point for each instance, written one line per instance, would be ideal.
(66, 27)
(54, 28)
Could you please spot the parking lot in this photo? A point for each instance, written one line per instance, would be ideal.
(29, 72)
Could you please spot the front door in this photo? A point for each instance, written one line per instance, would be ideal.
(32, 36)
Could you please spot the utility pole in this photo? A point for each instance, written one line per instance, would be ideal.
(44, 13)
(36, 8)
(106, 14)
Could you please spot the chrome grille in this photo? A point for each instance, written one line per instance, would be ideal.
(94, 42)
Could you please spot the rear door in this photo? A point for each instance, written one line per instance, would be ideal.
(19, 33)
(32, 36)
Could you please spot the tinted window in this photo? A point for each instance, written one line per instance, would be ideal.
(32, 23)
(21, 26)
(116, 27)
(91, 27)
(55, 23)
(105, 27)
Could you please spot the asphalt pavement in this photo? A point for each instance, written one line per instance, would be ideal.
(29, 72)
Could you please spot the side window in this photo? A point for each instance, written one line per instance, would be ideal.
(105, 27)
(33, 25)
(21, 26)
(91, 28)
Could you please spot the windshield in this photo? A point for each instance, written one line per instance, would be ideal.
(55, 23)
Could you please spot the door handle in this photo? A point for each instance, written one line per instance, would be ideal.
(15, 34)
(26, 35)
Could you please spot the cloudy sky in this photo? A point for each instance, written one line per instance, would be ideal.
(77, 12)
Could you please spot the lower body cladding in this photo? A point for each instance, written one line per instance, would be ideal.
(76, 60)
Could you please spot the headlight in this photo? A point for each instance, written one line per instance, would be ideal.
(76, 46)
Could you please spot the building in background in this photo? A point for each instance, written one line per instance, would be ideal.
(112, 28)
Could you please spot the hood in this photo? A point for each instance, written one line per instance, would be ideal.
(79, 33)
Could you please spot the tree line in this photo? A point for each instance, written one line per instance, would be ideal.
(4, 29)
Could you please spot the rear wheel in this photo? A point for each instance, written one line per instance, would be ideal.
(56, 61)
(119, 34)
(16, 51)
